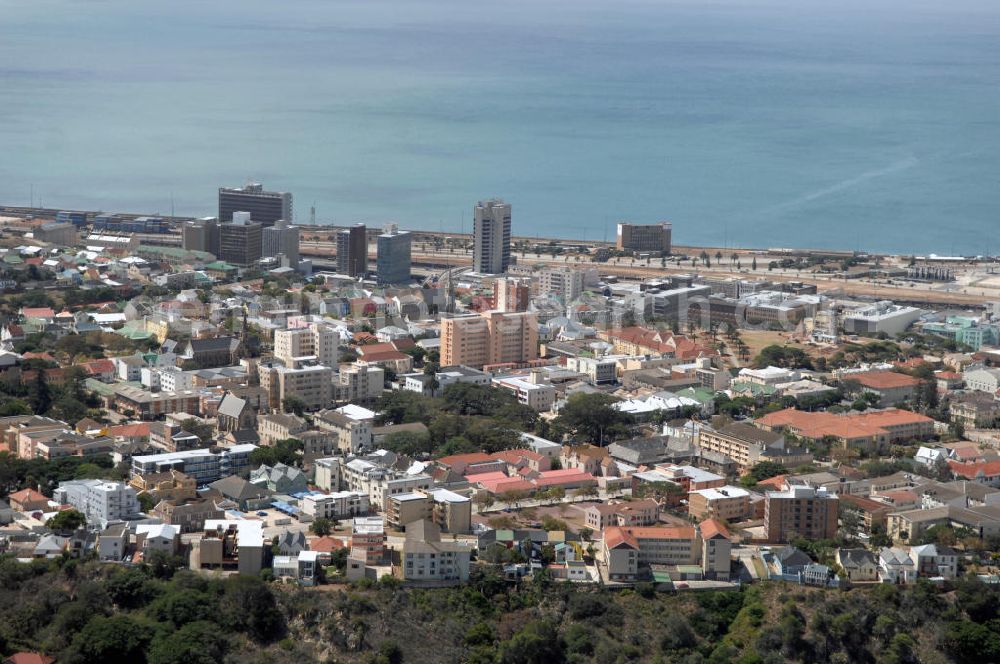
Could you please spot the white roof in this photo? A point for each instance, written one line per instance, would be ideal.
(723, 492)
(163, 530)
(356, 412)
(249, 532)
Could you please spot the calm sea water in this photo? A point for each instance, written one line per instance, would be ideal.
(871, 125)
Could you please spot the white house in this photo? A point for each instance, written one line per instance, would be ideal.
(896, 566)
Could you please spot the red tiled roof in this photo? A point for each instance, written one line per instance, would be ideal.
(28, 495)
(38, 312)
(616, 535)
(29, 658)
(713, 527)
(326, 544)
(515, 456)
(971, 471)
(885, 380)
(130, 430)
(846, 426)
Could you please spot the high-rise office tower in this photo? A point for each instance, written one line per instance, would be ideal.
(265, 207)
(352, 251)
(492, 237)
(282, 239)
(201, 235)
(240, 241)
(645, 237)
(392, 264)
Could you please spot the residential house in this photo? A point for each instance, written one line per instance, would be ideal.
(859, 565)
(247, 496)
(896, 566)
(279, 478)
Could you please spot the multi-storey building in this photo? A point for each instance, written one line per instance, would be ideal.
(392, 261)
(800, 511)
(337, 505)
(359, 383)
(317, 340)
(281, 239)
(99, 500)
(491, 338)
(204, 465)
(351, 424)
(741, 442)
(352, 251)
(240, 241)
(424, 557)
(201, 235)
(511, 294)
(266, 207)
(310, 382)
(563, 282)
(491, 233)
(625, 550)
(452, 512)
(645, 237)
(729, 503)
(368, 539)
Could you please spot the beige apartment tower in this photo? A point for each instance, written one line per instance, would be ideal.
(493, 337)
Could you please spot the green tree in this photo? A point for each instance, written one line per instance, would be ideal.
(194, 643)
(537, 643)
(39, 394)
(321, 526)
(294, 404)
(66, 520)
(593, 417)
(111, 639)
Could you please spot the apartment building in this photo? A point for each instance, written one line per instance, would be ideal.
(532, 390)
(800, 511)
(741, 442)
(99, 500)
(490, 338)
(317, 341)
(716, 549)
(452, 512)
(351, 424)
(424, 557)
(562, 282)
(368, 539)
(337, 505)
(190, 517)
(729, 503)
(204, 465)
(172, 485)
(491, 237)
(511, 294)
(359, 383)
(312, 383)
(236, 545)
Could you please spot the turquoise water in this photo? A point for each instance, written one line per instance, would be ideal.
(871, 125)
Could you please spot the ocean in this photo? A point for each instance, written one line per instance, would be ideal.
(868, 125)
